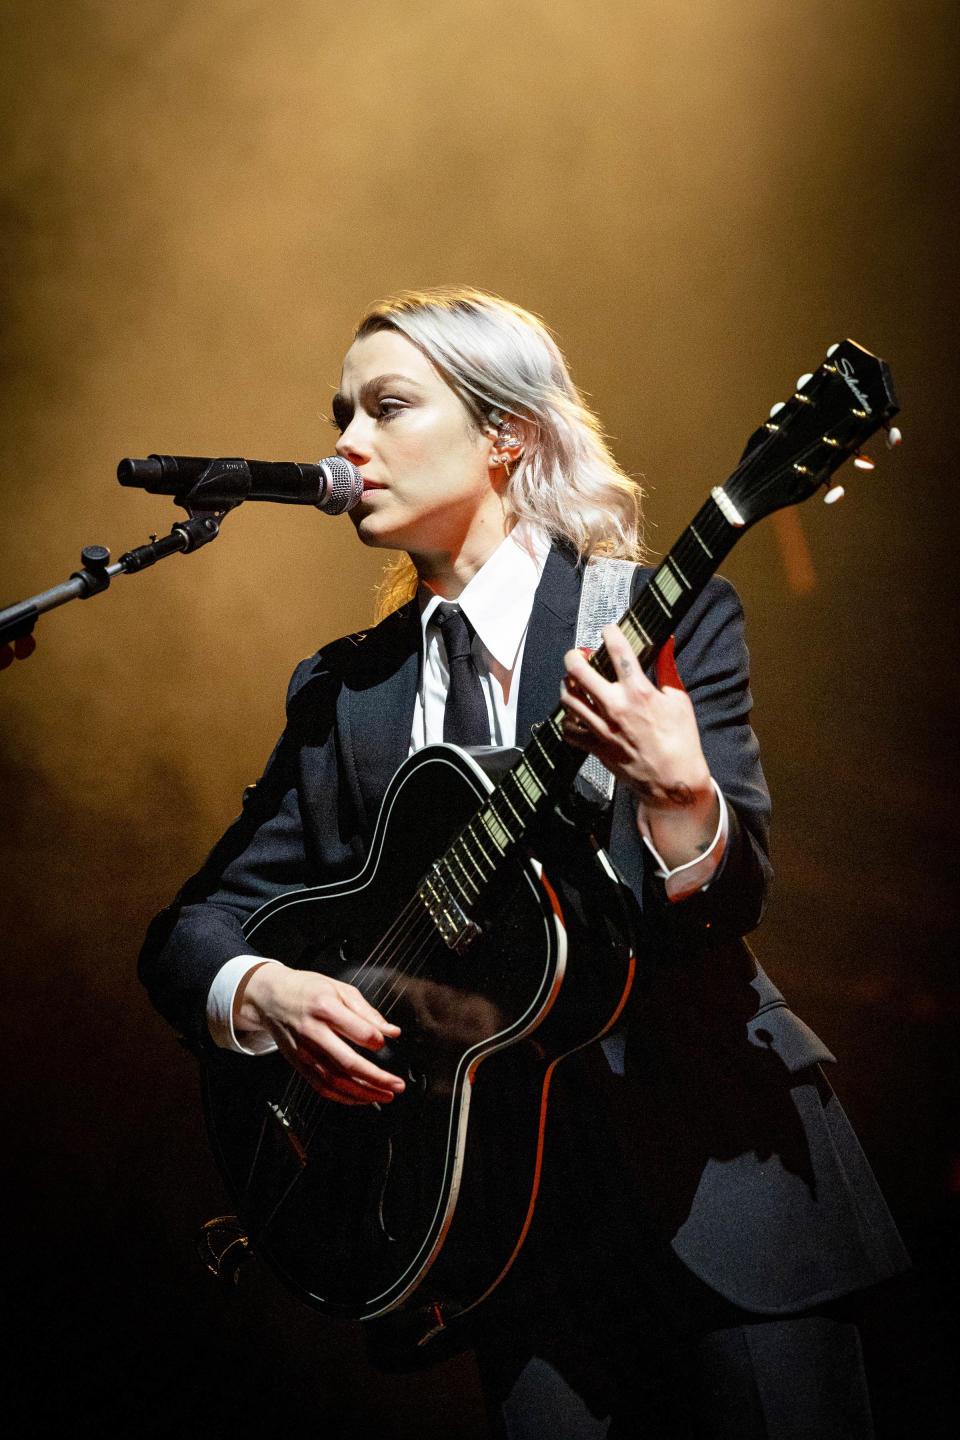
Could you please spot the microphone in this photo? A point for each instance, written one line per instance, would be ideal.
(332, 485)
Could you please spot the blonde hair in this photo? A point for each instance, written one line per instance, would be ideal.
(502, 362)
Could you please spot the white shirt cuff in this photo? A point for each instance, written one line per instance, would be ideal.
(695, 874)
(220, 998)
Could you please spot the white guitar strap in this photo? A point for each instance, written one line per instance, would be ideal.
(604, 598)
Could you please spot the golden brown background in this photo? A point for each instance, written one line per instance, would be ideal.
(200, 198)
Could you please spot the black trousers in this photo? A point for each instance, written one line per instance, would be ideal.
(792, 1379)
(600, 1331)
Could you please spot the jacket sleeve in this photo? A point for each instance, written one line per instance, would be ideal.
(713, 663)
(261, 855)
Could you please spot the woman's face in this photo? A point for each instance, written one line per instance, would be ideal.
(429, 487)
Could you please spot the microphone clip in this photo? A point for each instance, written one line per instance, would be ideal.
(224, 485)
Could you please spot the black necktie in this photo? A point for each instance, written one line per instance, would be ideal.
(465, 720)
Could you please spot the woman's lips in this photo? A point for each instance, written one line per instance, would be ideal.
(371, 485)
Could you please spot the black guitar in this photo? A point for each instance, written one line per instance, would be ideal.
(498, 937)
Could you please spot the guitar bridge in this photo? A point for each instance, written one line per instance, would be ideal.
(282, 1119)
(457, 930)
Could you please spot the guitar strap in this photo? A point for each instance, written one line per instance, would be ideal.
(604, 598)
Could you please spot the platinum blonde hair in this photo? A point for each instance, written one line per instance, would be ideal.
(503, 363)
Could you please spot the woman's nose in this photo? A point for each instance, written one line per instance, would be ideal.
(351, 445)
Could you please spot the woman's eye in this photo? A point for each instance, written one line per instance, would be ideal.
(388, 406)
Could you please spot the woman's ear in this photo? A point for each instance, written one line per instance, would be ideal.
(507, 441)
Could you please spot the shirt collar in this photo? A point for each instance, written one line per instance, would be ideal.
(498, 599)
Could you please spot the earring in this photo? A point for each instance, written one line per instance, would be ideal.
(509, 441)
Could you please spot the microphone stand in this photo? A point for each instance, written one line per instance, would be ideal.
(17, 621)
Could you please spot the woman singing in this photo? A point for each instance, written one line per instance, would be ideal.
(704, 1206)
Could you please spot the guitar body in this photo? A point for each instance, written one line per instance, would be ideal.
(422, 1202)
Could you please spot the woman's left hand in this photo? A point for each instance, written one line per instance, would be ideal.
(649, 739)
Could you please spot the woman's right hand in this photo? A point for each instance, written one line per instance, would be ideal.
(312, 1018)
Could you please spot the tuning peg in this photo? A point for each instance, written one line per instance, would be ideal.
(863, 462)
(835, 493)
(775, 409)
(803, 379)
(893, 437)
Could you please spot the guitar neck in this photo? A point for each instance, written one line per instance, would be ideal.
(548, 766)
(677, 581)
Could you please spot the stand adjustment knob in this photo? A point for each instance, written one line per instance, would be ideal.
(93, 577)
(95, 557)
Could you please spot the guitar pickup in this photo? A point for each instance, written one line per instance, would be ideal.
(457, 930)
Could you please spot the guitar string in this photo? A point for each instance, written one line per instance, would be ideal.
(297, 1081)
(308, 1103)
(399, 935)
(298, 1085)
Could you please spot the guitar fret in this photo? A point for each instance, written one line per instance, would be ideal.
(513, 781)
(461, 846)
(502, 795)
(476, 840)
(652, 624)
(693, 561)
(667, 584)
(655, 592)
(466, 884)
(492, 823)
(696, 535)
(630, 625)
(539, 740)
(694, 564)
(529, 783)
(453, 885)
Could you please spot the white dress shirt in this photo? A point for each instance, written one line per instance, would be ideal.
(497, 601)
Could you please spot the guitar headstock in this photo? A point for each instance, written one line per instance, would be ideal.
(832, 412)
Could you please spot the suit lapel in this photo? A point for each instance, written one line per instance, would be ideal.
(375, 709)
(552, 629)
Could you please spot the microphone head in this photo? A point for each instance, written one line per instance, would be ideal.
(343, 485)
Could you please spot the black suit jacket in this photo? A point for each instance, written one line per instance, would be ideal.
(734, 1148)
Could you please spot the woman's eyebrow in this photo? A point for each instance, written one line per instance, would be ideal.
(387, 379)
(369, 386)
